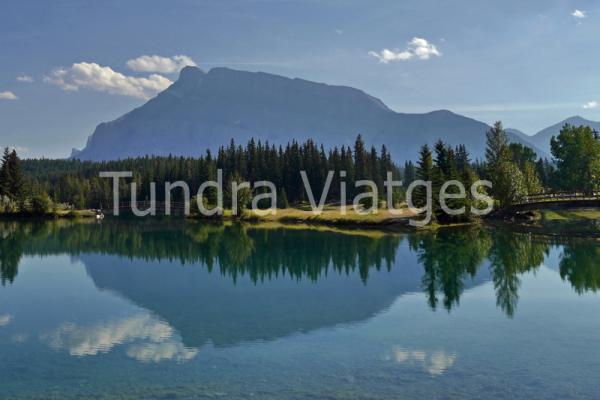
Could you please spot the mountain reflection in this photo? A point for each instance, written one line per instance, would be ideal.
(449, 258)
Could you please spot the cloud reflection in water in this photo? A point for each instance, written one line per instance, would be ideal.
(152, 339)
(435, 363)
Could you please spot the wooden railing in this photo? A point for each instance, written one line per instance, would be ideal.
(559, 196)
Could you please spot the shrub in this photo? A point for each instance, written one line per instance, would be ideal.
(7, 205)
(40, 204)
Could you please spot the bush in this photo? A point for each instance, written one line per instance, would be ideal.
(7, 205)
(41, 204)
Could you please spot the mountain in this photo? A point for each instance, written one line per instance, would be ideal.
(204, 110)
(542, 138)
(516, 135)
(265, 311)
(520, 136)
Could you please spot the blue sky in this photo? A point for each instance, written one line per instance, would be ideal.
(64, 65)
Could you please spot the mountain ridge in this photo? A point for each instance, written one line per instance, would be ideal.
(204, 110)
(542, 138)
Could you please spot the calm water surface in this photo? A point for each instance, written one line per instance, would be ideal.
(162, 310)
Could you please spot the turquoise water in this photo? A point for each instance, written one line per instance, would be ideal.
(162, 310)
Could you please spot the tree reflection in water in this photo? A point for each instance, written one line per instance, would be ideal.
(448, 256)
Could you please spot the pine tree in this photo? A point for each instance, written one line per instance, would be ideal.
(499, 167)
(451, 174)
(409, 173)
(424, 173)
(462, 158)
(12, 176)
(5, 177)
(282, 200)
(496, 150)
(360, 159)
(348, 166)
(440, 175)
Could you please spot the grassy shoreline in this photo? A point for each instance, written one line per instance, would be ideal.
(330, 216)
(580, 223)
(60, 214)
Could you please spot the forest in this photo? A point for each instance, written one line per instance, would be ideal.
(38, 186)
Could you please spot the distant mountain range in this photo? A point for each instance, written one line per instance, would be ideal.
(204, 110)
(542, 138)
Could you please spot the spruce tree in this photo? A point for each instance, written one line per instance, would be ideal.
(425, 173)
(5, 177)
(282, 200)
(496, 150)
(14, 176)
(409, 173)
(360, 159)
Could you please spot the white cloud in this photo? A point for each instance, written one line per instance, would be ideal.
(18, 149)
(423, 49)
(385, 55)
(5, 319)
(590, 105)
(105, 79)
(7, 95)
(579, 14)
(24, 79)
(165, 65)
(417, 48)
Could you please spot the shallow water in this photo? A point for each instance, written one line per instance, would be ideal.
(182, 310)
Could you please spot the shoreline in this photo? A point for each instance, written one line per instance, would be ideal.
(381, 221)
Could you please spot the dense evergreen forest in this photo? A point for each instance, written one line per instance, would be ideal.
(78, 182)
(37, 185)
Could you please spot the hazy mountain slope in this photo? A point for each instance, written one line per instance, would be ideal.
(205, 110)
(542, 138)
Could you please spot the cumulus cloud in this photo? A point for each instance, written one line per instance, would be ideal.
(8, 95)
(579, 14)
(386, 55)
(590, 105)
(105, 79)
(24, 79)
(417, 48)
(165, 65)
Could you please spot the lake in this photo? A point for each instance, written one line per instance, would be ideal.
(161, 309)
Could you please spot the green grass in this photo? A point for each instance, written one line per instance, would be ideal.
(570, 215)
(549, 215)
(331, 214)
